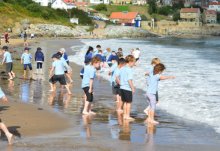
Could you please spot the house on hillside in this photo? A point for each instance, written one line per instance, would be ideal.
(214, 6)
(139, 2)
(63, 4)
(190, 14)
(210, 17)
(96, 2)
(44, 2)
(190, 17)
(124, 18)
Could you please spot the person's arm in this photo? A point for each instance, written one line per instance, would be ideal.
(131, 85)
(117, 79)
(51, 71)
(4, 57)
(91, 85)
(166, 77)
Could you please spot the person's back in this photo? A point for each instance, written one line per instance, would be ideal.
(89, 73)
(125, 76)
(59, 67)
(39, 56)
(7, 57)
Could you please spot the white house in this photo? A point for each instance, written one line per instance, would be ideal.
(214, 6)
(99, 1)
(63, 4)
(43, 2)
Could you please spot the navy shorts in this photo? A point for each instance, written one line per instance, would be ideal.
(58, 78)
(9, 67)
(89, 96)
(27, 65)
(126, 96)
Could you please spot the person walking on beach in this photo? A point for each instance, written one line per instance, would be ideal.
(39, 58)
(57, 73)
(152, 89)
(154, 62)
(2, 125)
(26, 61)
(136, 54)
(7, 59)
(111, 73)
(6, 36)
(87, 84)
(126, 86)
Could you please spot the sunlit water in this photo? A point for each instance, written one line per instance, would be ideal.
(195, 93)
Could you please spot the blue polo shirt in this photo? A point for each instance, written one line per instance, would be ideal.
(26, 57)
(7, 57)
(89, 73)
(59, 66)
(153, 83)
(126, 74)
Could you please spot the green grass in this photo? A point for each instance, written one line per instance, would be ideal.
(142, 10)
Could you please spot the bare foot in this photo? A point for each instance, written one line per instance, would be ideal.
(10, 139)
(85, 113)
(146, 111)
(154, 122)
(4, 99)
(91, 112)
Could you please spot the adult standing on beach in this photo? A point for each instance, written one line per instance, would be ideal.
(7, 59)
(2, 125)
(39, 58)
(6, 35)
(136, 54)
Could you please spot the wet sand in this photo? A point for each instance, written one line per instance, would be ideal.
(106, 131)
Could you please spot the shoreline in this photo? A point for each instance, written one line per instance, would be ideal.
(99, 131)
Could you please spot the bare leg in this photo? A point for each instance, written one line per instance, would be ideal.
(152, 117)
(128, 111)
(90, 109)
(7, 133)
(69, 77)
(125, 110)
(85, 109)
(68, 89)
(10, 76)
(31, 75)
(13, 74)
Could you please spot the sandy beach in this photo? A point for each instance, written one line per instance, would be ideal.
(52, 121)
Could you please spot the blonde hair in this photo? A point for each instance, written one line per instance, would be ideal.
(95, 60)
(130, 58)
(155, 61)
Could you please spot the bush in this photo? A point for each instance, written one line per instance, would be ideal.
(218, 17)
(176, 16)
(152, 7)
(165, 10)
(83, 16)
(33, 7)
(101, 7)
(143, 18)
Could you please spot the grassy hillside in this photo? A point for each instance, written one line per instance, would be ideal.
(14, 11)
(143, 10)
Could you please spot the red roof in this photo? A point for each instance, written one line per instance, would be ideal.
(189, 10)
(214, 3)
(68, 1)
(124, 15)
(211, 12)
(81, 3)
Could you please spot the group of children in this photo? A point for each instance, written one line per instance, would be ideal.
(121, 72)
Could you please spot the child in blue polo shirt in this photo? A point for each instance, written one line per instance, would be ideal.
(87, 84)
(152, 89)
(126, 86)
(26, 61)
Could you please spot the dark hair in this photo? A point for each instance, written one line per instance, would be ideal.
(98, 46)
(119, 49)
(130, 58)
(89, 49)
(59, 55)
(100, 51)
(159, 68)
(121, 61)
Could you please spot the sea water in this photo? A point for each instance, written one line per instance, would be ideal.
(195, 93)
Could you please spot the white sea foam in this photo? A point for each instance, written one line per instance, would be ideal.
(195, 92)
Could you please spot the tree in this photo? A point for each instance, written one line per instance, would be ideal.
(101, 7)
(176, 16)
(152, 7)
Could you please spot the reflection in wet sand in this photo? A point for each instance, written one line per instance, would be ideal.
(86, 126)
(151, 130)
